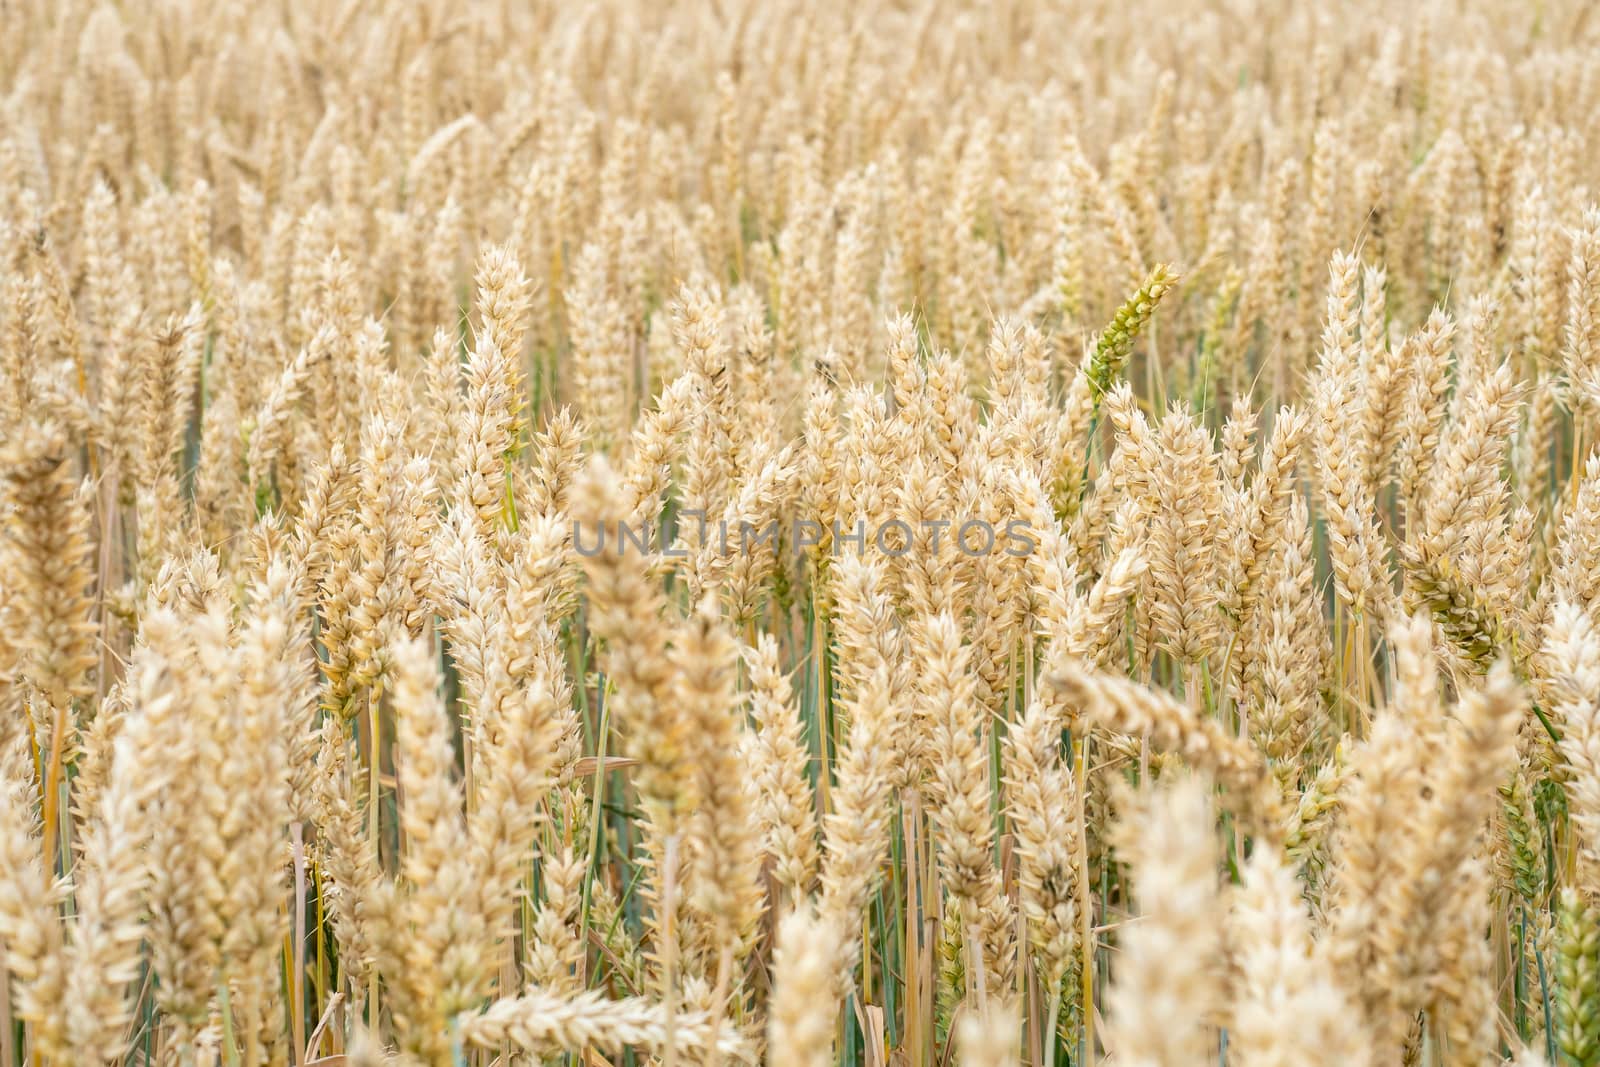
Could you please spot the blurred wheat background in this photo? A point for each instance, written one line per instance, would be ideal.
(326, 325)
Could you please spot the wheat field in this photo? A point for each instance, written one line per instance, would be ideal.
(899, 532)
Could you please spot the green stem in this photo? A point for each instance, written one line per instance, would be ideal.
(230, 1047)
(1544, 996)
(597, 813)
(1053, 1021)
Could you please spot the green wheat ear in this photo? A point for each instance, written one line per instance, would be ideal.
(1522, 838)
(1113, 347)
(1577, 1007)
